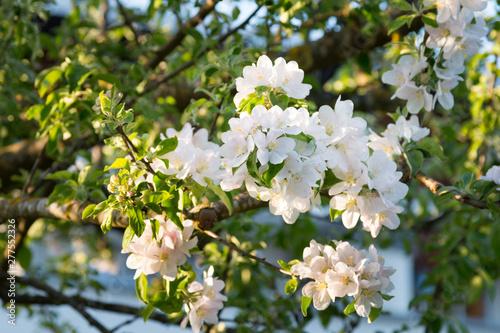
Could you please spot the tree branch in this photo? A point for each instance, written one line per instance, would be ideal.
(128, 22)
(434, 186)
(177, 39)
(204, 215)
(58, 298)
(246, 254)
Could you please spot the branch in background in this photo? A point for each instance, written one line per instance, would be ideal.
(434, 186)
(57, 298)
(177, 39)
(32, 172)
(165, 78)
(246, 254)
(56, 295)
(128, 22)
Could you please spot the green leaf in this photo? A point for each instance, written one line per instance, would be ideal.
(158, 197)
(493, 206)
(88, 211)
(387, 297)
(62, 193)
(119, 163)
(272, 172)
(110, 78)
(128, 235)
(253, 168)
(350, 308)
(306, 301)
(166, 146)
(430, 19)
(415, 159)
(284, 265)
(147, 311)
(291, 286)
(401, 4)
(76, 74)
(225, 197)
(64, 174)
(172, 215)
(374, 314)
(48, 80)
(335, 213)
(467, 180)
(136, 220)
(141, 287)
(195, 34)
(154, 207)
(431, 146)
(397, 23)
(107, 223)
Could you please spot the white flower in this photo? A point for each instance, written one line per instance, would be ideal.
(418, 97)
(352, 180)
(407, 129)
(288, 77)
(381, 171)
(164, 254)
(273, 147)
(368, 297)
(387, 217)
(445, 8)
(387, 143)
(444, 95)
(347, 254)
(493, 175)
(475, 5)
(348, 204)
(236, 148)
(206, 302)
(253, 76)
(206, 164)
(342, 281)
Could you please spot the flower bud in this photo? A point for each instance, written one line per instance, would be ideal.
(130, 182)
(115, 180)
(119, 198)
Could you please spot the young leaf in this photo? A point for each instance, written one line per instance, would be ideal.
(374, 313)
(291, 286)
(147, 311)
(432, 147)
(136, 220)
(415, 159)
(108, 220)
(272, 172)
(397, 23)
(141, 287)
(306, 301)
(128, 235)
(350, 308)
(225, 197)
(166, 146)
(119, 164)
(284, 265)
(88, 211)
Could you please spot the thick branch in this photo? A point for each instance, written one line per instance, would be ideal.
(205, 215)
(37, 208)
(177, 39)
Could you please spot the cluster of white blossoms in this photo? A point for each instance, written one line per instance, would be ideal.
(402, 131)
(458, 34)
(297, 150)
(163, 253)
(493, 175)
(282, 77)
(344, 271)
(195, 157)
(205, 301)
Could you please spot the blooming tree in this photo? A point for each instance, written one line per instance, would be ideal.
(186, 189)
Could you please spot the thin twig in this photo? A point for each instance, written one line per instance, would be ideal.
(130, 145)
(125, 323)
(246, 254)
(190, 63)
(33, 170)
(128, 21)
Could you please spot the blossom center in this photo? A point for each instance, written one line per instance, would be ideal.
(321, 285)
